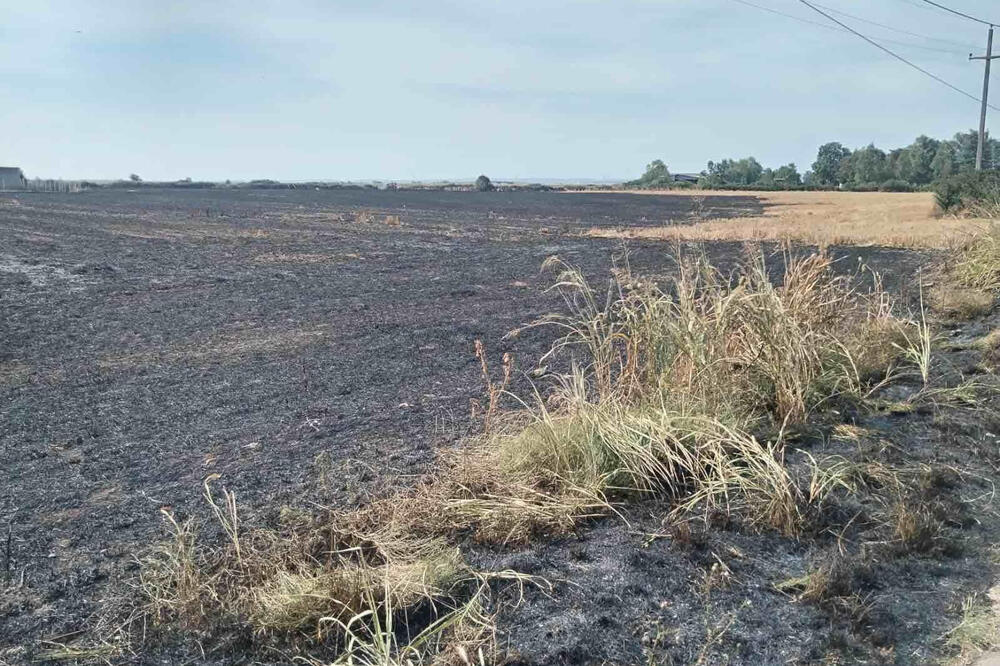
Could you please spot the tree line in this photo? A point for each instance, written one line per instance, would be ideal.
(917, 166)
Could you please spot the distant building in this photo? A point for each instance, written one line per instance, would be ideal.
(686, 177)
(12, 178)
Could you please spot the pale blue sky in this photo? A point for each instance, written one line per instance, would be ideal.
(354, 89)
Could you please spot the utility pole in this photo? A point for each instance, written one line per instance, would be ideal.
(986, 93)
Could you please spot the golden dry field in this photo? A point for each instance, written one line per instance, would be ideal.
(822, 218)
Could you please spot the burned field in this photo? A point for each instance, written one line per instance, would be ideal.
(315, 350)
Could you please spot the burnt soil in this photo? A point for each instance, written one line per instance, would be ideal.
(316, 347)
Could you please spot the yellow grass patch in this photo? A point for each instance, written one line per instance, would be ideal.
(823, 218)
(13, 373)
(185, 232)
(293, 258)
(231, 346)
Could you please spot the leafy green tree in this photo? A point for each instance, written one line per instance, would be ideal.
(945, 162)
(915, 164)
(869, 165)
(897, 162)
(656, 175)
(966, 145)
(787, 175)
(845, 171)
(656, 171)
(746, 171)
(991, 154)
(483, 184)
(827, 166)
(712, 176)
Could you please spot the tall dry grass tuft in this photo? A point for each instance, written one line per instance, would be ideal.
(738, 346)
(969, 282)
(671, 386)
(306, 579)
(977, 263)
(493, 390)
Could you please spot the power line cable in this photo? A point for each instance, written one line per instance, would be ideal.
(896, 55)
(918, 4)
(831, 27)
(958, 13)
(894, 29)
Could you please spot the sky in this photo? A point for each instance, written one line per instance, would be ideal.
(448, 89)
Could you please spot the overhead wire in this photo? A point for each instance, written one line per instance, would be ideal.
(893, 28)
(962, 14)
(896, 55)
(827, 26)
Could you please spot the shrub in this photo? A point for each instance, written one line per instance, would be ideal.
(483, 184)
(895, 185)
(976, 193)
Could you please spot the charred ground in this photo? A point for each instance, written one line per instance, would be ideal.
(312, 347)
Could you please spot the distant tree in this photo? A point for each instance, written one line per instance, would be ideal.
(712, 176)
(991, 154)
(944, 163)
(828, 163)
(483, 184)
(743, 172)
(656, 173)
(787, 175)
(135, 178)
(966, 145)
(869, 165)
(915, 164)
(746, 171)
(766, 178)
(897, 162)
(845, 171)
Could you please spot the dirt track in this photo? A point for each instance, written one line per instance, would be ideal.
(281, 339)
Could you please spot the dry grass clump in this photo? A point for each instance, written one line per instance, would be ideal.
(970, 281)
(990, 342)
(714, 345)
(366, 216)
(979, 628)
(473, 494)
(839, 584)
(322, 581)
(989, 345)
(915, 528)
(961, 303)
(978, 261)
(591, 450)
(673, 383)
(291, 600)
(837, 576)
